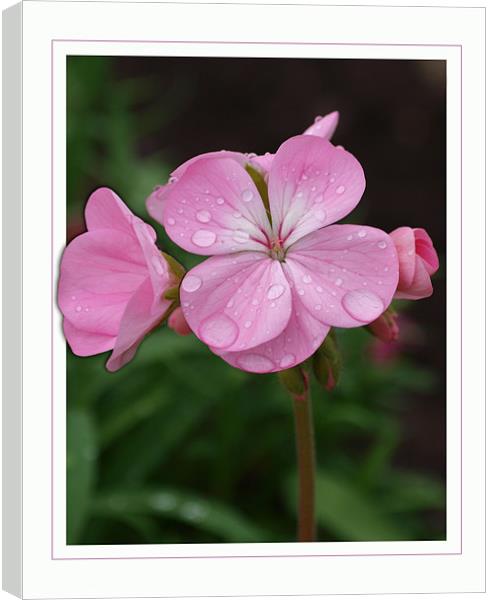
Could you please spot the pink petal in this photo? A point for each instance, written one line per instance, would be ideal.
(139, 318)
(106, 210)
(85, 343)
(421, 286)
(324, 126)
(404, 241)
(312, 184)
(345, 275)
(263, 163)
(177, 322)
(236, 302)
(155, 202)
(215, 208)
(425, 249)
(299, 340)
(99, 273)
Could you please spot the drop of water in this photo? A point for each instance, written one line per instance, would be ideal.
(320, 215)
(362, 233)
(332, 179)
(203, 216)
(338, 281)
(230, 303)
(247, 324)
(362, 305)
(157, 265)
(241, 237)
(220, 200)
(301, 292)
(255, 363)
(382, 245)
(219, 331)
(191, 283)
(247, 195)
(349, 238)
(79, 308)
(255, 302)
(340, 189)
(172, 179)
(318, 118)
(203, 238)
(317, 307)
(237, 215)
(287, 361)
(386, 269)
(74, 297)
(275, 291)
(307, 279)
(180, 211)
(319, 289)
(171, 221)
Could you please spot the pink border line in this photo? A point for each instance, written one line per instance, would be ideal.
(53, 557)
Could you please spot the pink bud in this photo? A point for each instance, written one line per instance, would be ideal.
(385, 328)
(178, 323)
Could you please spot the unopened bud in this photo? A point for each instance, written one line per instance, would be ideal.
(385, 328)
(295, 381)
(327, 363)
(178, 323)
(175, 267)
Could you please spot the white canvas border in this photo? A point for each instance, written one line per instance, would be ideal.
(45, 577)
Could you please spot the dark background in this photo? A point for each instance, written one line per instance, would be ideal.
(180, 447)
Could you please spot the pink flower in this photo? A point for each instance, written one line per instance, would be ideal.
(385, 328)
(418, 261)
(268, 296)
(177, 322)
(322, 127)
(112, 281)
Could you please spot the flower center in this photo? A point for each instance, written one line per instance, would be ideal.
(276, 250)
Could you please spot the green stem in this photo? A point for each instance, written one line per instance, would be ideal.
(304, 434)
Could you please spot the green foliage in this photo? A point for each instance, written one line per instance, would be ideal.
(179, 447)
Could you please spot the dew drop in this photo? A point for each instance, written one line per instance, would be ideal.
(220, 200)
(382, 245)
(240, 236)
(275, 291)
(340, 189)
(237, 215)
(287, 361)
(338, 281)
(332, 179)
(318, 118)
(203, 238)
(319, 289)
(247, 324)
(255, 302)
(349, 238)
(74, 297)
(317, 307)
(304, 177)
(307, 279)
(171, 221)
(320, 215)
(255, 363)
(203, 216)
(362, 305)
(230, 303)
(362, 233)
(301, 292)
(180, 211)
(386, 269)
(247, 195)
(191, 283)
(218, 331)
(79, 308)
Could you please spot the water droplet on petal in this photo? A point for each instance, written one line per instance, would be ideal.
(340, 189)
(74, 297)
(382, 245)
(255, 363)
(172, 179)
(237, 215)
(180, 211)
(79, 308)
(319, 289)
(320, 215)
(203, 216)
(218, 331)
(332, 179)
(255, 302)
(275, 291)
(317, 307)
(171, 221)
(230, 303)
(318, 118)
(363, 305)
(301, 292)
(307, 279)
(362, 233)
(287, 361)
(349, 238)
(338, 281)
(191, 283)
(241, 237)
(247, 324)
(220, 200)
(203, 238)
(247, 195)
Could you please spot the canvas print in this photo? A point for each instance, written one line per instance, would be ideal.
(253, 299)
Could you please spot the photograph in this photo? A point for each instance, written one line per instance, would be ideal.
(253, 296)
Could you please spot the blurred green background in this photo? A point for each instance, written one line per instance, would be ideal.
(179, 447)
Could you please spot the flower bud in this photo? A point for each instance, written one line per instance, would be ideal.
(295, 381)
(385, 328)
(178, 323)
(327, 363)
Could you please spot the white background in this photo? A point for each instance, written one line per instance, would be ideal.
(44, 21)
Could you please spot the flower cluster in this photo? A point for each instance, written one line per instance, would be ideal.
(280, 272)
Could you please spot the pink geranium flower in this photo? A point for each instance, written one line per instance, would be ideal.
(112, 281)
(322, 127)
(267, 298)
(418, 261)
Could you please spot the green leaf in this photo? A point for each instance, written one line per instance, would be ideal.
(81, 456)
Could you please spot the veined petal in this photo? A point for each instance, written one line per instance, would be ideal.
(324, 127)
(215, 208)
(86, 343)
(345, 275)
(106, 210)
(311, 184)
(299, 340)
(236, 302)
(141, 315)
(156, 201)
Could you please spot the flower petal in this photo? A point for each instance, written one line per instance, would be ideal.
(324, 126)
(139, 318)
(215, 208)
(421, 286)
(312, 184)
(299, 340)
(345, 275)
(86, 343)
(405, 244)
(106, 210)
(236, 302)
(425, 249)
(100, 270)
(155, 202)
